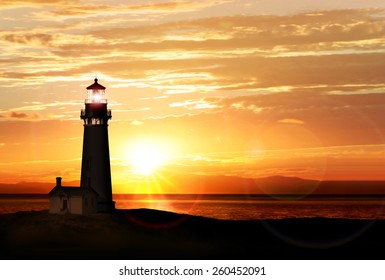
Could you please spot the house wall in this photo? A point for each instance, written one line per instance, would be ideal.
(76, 206)
(54, 204)
(82, 204)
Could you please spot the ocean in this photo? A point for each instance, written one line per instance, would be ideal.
(227, 206)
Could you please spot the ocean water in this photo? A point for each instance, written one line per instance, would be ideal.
(230, 207)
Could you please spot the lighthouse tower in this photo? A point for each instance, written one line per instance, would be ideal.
(96, 170)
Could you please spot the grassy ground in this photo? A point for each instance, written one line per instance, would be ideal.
(153, 234)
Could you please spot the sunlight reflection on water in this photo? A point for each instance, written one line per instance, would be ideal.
(266, 209)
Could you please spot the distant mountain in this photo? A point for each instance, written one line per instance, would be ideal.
(179, 183)
(295, 185)
(284, 180)
(30, 187)
(351, 187)
(285, 185)
(25, 187)
(271, 185)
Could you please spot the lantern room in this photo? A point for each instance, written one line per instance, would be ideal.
(95, 111)
(96, 93)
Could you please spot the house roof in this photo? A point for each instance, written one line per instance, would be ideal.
(72, 191)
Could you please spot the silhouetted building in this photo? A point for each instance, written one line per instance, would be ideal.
(96, 171)
(73, 200)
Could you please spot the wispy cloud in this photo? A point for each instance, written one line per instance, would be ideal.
(165, 7)
(229, 53)
(292, 121)
(38, 3)
(40, 111)
(195, 104)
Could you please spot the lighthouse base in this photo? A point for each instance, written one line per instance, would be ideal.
(106, 206)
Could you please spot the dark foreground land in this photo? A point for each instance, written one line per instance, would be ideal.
(153, 234)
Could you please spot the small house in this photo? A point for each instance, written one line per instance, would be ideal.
(72, 200)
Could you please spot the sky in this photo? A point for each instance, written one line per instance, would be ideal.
(211, 88)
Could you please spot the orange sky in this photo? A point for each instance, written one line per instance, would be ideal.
(219, 87)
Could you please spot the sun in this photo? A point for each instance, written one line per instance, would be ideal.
(145, 158)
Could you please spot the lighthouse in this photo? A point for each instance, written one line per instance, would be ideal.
(95, 192)
(96, 169)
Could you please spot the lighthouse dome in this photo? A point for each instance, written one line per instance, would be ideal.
(96, 86)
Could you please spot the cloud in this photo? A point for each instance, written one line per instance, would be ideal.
(266, 122)
(292, 121)
(42, 106)
(261, 32)
(233, 53)
(23, 116)
(28, 39)
(194, 104)
(18, 115)
(300, 60)
(77, 9)
(29, 3)
(136, 122)
(42, 111)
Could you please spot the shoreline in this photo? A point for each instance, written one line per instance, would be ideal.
(155, 234)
